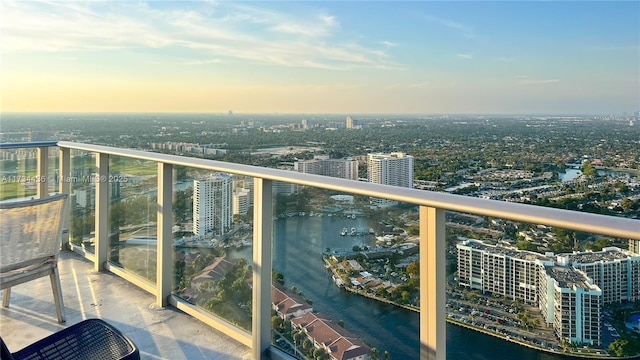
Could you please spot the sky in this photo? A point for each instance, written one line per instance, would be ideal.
(339, 57)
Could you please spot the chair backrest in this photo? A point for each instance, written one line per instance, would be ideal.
(30, 231)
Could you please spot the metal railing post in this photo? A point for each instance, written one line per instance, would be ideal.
(101, 210)
(164, 267)
(433, 329)
(262, 239)
(64, 187)
(42, 172)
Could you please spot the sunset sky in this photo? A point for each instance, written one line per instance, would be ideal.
(570, 57)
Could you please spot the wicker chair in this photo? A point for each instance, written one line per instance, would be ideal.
(91, 339)
(30, 234)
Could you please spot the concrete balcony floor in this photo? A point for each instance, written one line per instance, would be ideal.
(159, 333)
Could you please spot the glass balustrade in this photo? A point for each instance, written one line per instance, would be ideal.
(82, 199)
(345, 261)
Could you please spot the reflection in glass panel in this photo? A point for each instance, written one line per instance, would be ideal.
(347, 268)
(53, 177)
(82, 189)
(132, 215)
(213, 232)
(18, 171)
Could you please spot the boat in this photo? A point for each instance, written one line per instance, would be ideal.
(337, 281)
(343, 232)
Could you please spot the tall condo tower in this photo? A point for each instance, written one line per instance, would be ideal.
(394, 169)
(213, 205)
(349, 122)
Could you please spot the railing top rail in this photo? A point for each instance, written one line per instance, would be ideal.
(27, 144)
(574, 220)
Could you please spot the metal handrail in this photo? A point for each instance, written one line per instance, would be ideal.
(27, 144)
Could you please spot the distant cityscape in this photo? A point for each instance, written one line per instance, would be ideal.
(572, 279)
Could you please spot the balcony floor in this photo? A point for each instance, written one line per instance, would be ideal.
(159, 333)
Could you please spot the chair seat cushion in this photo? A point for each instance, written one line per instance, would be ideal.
(91, 339)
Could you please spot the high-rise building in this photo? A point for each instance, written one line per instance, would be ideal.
(569, 289)
(500, 270)
(241, 201)
(394, 169)
(212, 205)
(349, 122)
(571, 303)
(634, 246)
(615, 271)
(322, 165)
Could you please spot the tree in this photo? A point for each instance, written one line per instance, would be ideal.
(526, 245)
(621, 347)
(278, 277)
(277, 323)
(405, 296)
(627, 204)
(588, 169)
(413, 269)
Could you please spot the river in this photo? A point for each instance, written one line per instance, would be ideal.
(299, 242)
(572, 173)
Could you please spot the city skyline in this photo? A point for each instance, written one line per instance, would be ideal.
(321, 57)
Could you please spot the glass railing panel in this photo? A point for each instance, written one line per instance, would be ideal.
(349, 263)
(132, 213)
(53, 175)
(82, 200)
(18, 169)
(524, 282)
(213, 232)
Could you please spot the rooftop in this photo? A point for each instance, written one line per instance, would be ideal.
(606, 255)
(496, 249)
(159, 333)
(568, 278)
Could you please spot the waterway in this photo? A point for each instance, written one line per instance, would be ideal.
(299, 242)
(572, 173)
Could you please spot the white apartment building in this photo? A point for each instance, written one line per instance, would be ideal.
(634, 246)
(322, 165)
(571, 303)
(213, 205)
(496, 269)
(241, 201)
(615, 271)
(241, 182)
(394, 169)
(569, 289)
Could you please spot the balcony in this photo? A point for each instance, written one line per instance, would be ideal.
(131, 275)
(160, 333)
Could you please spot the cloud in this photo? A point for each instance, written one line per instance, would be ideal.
(388, 44)
(464, 56)
(217, 31)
